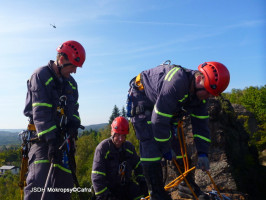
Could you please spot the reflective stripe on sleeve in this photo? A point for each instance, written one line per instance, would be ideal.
(41, 161)
(49, 80)
(129, 151)
(42, 104)
(151, 159)
(163, 140)
(97, 172)
(100, 192)
(47, 130)
(202, 137)
(200, 117)
(181, 100)
(73, 87)
(77, 117)
(106, 155)
(162, 114)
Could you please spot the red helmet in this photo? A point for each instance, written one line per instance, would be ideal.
(216, 76)
(120, 125)
(74, 51)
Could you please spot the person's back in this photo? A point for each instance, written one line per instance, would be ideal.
(154, 79)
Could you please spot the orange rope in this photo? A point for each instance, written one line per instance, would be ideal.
(183, 178)
(181, 145)
(179, 179)
(215, 186)
(184, 143)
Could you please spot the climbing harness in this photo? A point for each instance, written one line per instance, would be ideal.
(68, 154)
(181, 137)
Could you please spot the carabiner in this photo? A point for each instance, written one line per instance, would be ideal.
(167, 61)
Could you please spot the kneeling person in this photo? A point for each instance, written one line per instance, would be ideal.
(113, 163)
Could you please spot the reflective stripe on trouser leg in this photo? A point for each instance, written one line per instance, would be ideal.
(38, 172)
(149, 149)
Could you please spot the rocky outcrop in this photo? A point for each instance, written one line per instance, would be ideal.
(234, 165)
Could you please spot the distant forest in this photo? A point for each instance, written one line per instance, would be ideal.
(252, 98)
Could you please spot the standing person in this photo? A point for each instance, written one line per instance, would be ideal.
(49, 87)
(113, 163)
(160, 94)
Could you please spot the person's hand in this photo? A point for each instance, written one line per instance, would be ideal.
(53, 151)
(203, 162)
(72, 132)
(72, 128)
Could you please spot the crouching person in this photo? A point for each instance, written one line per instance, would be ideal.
(114, 161)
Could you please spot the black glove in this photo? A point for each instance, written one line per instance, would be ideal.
(72, 128)
(53, 151)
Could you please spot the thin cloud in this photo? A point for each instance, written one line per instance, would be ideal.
(247, 24)
(153, 23)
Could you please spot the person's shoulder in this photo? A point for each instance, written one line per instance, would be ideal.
(72, 80)
(41, 73)
(129, 145)
(39, 70)
(103, 144)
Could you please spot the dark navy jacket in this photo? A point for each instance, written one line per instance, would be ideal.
(106, 161)
(168, 89)
(44, 91)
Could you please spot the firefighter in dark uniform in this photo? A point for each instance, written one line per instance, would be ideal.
(159, 95)
(113, 163)
(46, 87)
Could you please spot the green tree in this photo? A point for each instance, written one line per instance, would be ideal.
(123, 112)
(115, 113)
(9, 189)
(254, 100)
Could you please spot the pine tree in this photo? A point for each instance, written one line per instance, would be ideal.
(115, 113)
(123, 112)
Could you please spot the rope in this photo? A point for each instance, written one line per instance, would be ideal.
(179, 179)
(215, 186)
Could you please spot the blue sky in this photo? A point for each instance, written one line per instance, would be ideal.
(123, 38)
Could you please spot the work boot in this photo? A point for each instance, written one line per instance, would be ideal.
(185, 192)
(154, 178)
